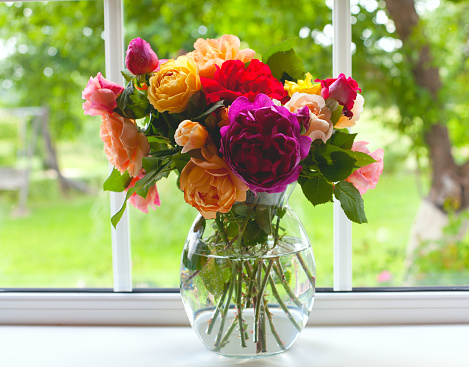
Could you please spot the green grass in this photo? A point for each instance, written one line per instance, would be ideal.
(65, 242)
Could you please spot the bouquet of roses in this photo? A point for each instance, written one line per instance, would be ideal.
(227, 123)
(234, 128)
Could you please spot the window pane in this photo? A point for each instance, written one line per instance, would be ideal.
(172, 28)
(54, 222)
(410, 64)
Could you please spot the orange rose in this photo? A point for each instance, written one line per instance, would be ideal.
(190, 135)
(124, 144)
(171, 88)
(320, 125)
(209, 185)
(209, 53)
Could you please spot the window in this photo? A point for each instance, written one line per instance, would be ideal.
(164, 308)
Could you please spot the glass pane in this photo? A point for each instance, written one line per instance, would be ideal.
(172, 28)
(410, 64)
(54, 217)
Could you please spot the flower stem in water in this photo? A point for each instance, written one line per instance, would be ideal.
(227, 305)
(240, 306)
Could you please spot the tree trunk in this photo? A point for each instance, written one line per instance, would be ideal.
(450, 183)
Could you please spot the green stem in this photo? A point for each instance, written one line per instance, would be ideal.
(262, 328)
(282, 304)
(240, 307)
(217, 311)
(280, 273)
(227, 305)
(260, 292)
(312, 279)
(227, 335)
(252, 277)
(221, 230)
(272, 327)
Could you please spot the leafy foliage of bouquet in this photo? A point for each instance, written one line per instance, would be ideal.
(227, 123)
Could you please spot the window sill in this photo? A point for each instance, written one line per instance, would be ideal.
(78, 346)
(166, 309)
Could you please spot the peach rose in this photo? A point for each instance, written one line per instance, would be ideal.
(366, 178)
(190, 135)
(357, 109)
(124, 144)
(151, 200)
(320, 125)
(209, 53)
(209, 185)
(101, 96)
(172, 86)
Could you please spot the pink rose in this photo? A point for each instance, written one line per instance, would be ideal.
(367, 177)
(342, 90)
(100, 95)
(152, 200)
(140, 58)
(124, 144)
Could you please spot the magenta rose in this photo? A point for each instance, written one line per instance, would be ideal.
(367, 177)
(100, 95)
(262, 144)
(140, 58)
(342, 90)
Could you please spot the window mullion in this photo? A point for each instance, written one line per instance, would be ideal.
(342, 63)
(114, 51)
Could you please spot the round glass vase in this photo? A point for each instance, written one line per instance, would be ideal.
(248, 277)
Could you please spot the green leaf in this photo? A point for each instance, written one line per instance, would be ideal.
(279, 47)
(351, 201)
(215, 274)
(212, 108)
(116, 181)
(197, 104)
(283, 61)
(196, 258)
(286, 65)
(133, 103)
(263, 217)
(363, 159)
(316, 189)
(335, 108)
(335, 167)
(128, 76)
(342, 139)
(141, 188)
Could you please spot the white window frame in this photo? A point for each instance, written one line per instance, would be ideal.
(343, 306)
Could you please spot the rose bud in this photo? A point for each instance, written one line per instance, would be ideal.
(140, 58)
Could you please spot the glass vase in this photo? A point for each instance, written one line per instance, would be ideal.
(248, 277)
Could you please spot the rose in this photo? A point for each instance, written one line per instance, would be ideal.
(263, 145)
(210, 53)
(124, 144)
(303, 86)
(100, 95)
(171, 88)
(320, 126)
(140, 58)
(233, 80)
(209, 185)
(342, 90)
(357, 109)
(190, 135)
(366, 178)
(142, 203)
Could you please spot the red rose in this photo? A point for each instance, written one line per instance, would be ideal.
(342, 90)
(234, 80)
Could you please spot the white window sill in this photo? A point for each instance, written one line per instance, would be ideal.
(363, 346)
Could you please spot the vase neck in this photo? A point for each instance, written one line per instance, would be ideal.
(265, 198)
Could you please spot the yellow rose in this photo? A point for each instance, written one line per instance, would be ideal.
(171, 87)
(303, 86)
(190, 135)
